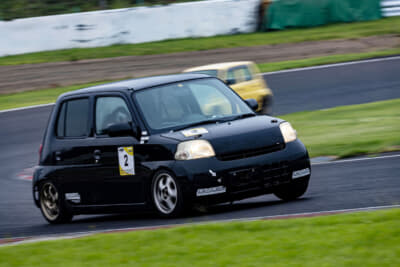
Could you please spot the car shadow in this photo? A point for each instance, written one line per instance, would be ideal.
(248, 206)
(197, 214)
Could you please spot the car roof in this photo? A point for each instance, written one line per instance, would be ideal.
(219, 66)
(137, 84)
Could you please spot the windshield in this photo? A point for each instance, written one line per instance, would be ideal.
(177, 105)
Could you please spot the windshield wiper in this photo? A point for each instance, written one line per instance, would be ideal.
(242, 116)
(198, 123)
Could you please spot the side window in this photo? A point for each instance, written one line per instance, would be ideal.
(242, 74)
(230, 77)
(247, 73)
(110, 110)
(73, 118)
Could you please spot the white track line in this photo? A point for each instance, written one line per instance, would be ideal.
(334, 65)
(266, 73)
(356, 159)
(30, 239)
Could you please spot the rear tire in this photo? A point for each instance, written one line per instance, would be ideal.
(293, 190)
(166, 194)
(51, 204)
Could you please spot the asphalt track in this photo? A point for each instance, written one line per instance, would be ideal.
(341, 185)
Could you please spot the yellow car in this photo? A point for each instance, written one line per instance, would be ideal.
(243, 77)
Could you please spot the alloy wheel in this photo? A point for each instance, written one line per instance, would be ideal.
(49, 201)
(165, 193)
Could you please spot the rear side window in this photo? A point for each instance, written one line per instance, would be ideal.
(73, 119)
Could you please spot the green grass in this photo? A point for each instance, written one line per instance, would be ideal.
(36, 97)
(358, 239)
(334, 31)
(350, 130)
(315, 61)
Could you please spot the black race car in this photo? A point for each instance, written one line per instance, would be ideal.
(165, 143)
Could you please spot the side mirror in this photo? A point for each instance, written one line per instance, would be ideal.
(230, 82)
(252, 103)
(122, 129)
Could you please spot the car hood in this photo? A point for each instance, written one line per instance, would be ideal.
(239, 136)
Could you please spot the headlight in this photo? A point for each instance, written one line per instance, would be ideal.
(195, 149)
(288, 133)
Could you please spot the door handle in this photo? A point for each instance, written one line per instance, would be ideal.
(57, 155)
(96, 155)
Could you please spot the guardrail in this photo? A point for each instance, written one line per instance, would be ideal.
(390, 8)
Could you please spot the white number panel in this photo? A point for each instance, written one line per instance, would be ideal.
(126, 161)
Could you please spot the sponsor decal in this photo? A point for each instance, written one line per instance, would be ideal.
(73, 197)
(210, 191)
(194, 131)
(301, 173)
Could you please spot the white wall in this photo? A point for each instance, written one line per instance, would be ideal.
(130, 25)
(390, 8)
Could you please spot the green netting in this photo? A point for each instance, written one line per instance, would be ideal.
(308, 13)
(350, 10)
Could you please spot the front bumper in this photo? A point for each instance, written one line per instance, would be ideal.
(212, 180)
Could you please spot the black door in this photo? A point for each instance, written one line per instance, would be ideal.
(115, 160)
(73, 153)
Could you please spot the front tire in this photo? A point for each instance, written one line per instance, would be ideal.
(166, 194)
(51, 205)
(293, 190)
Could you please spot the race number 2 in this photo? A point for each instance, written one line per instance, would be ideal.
(126, 161)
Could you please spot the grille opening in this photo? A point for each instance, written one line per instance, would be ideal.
(259, 178)
(250, 153)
